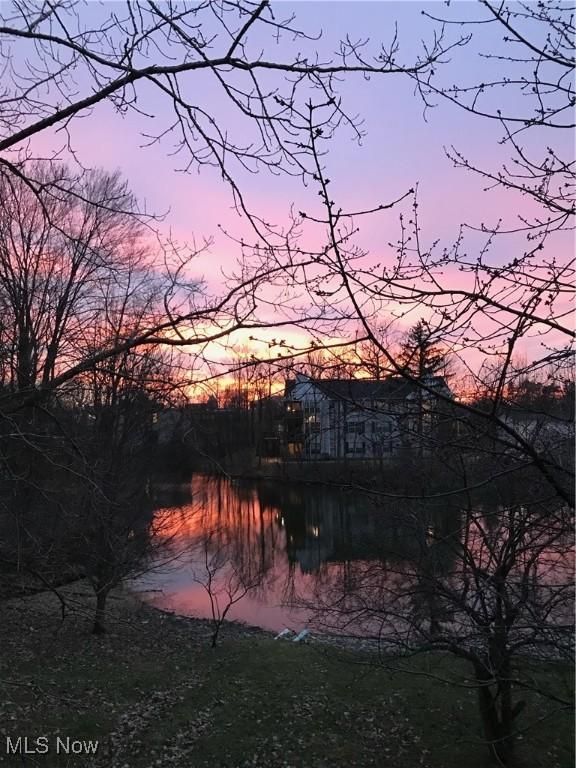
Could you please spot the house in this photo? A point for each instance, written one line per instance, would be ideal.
(550, 434)
(359, 418)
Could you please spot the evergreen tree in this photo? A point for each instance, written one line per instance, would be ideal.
(420, 357)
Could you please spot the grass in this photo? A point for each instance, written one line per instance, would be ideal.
(153, 693)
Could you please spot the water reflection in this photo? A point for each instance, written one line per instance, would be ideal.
(283, 540)
(310, 553)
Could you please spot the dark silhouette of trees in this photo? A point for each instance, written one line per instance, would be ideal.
(498, 599)
(55, 249)
(76, 280)
(115, 533)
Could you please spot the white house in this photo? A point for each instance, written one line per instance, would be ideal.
(357, 418)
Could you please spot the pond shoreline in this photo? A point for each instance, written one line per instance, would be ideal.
(152, 691)
(313, 636)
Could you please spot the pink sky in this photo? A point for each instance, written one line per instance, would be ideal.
(400, 148)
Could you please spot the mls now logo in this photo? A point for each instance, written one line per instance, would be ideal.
(23, 745)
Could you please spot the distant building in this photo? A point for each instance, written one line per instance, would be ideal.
(545, 432)
(359, 418)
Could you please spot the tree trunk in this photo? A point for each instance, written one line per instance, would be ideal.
(496, 718)
(215, 633)
(100, 615)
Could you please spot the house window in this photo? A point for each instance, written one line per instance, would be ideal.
(355, 427)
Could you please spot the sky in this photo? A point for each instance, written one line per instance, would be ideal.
(401, 147)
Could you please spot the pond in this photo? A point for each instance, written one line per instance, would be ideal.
(280, 553)
(281, 540)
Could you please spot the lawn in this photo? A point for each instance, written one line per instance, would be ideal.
(153, 693)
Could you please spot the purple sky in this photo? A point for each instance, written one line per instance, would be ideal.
(400, 147)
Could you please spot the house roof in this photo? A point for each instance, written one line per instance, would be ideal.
(355, 390)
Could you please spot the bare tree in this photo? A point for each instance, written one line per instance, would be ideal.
(492, 586)
(535, 42)
(77, 281)
(505, 589)
(116, 534)
(225, 583)
(55, 249)
(494, 599)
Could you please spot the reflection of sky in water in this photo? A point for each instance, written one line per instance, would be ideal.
(179, 591)
(298, 544)
(284, 536)
(189, 599)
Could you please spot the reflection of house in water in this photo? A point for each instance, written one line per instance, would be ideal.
(324, 527)
(261, 526)
(358, 418)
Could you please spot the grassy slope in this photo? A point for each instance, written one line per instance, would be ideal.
(154, 693)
